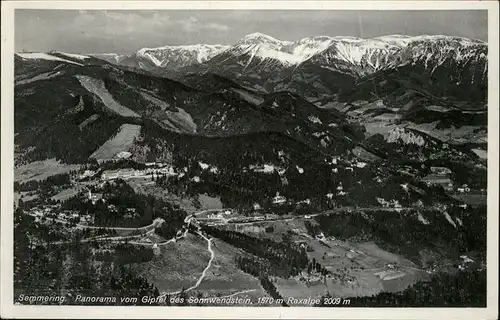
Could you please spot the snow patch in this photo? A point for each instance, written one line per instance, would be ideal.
(249, 97)
(74, 55)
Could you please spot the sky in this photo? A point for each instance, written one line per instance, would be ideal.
(120, 31)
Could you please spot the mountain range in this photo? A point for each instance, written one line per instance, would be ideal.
(268, 64)
(397, 100)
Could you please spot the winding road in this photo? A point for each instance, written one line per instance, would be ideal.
(203, 274)
(187, 223)
(152, 226)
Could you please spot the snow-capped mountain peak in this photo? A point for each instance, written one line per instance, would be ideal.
(166, 57)
(364, 56)
(260, 53)
(260, 38)
(308, 47)
(184, 55)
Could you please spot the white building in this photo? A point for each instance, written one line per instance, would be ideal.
(279, 199)
(87, 174)
(361, 164)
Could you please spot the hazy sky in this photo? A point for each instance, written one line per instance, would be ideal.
(125, 31)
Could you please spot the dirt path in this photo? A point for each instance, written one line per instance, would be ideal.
(203, 274)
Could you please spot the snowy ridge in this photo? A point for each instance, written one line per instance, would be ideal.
(370, 55)
(110, 57)
(343, 54)
(308, 47)
(44, 56)
(187, 54)
(351, 54)
(260, 38)
(73, 55)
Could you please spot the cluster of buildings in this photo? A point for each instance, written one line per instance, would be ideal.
(389, 204)
(87, 174)
(440, 176)
(94, 197)
(463, 189)
(220, 214)
(466, 263)
(350, 164)
(65, 216)
(81, 219)
(132, 173)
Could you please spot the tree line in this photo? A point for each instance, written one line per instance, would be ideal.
(282, 259)
(61, 179)
(459, 290)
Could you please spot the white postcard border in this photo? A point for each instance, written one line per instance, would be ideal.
(8, 310)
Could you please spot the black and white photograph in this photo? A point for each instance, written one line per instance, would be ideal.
(320, 159)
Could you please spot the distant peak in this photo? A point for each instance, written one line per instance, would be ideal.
(257, 37)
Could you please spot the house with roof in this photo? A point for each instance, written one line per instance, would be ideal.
(278, 199)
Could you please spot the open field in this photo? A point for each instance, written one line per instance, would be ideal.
(39, 77)
(207, 202)
(224, 278)
(357, 269)
(145, 187)
(68, 193)
(40, 170)
(24, 195)
(472, 199)
(179, 121)
(97, 87)
(178, 265)
(121, 142)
